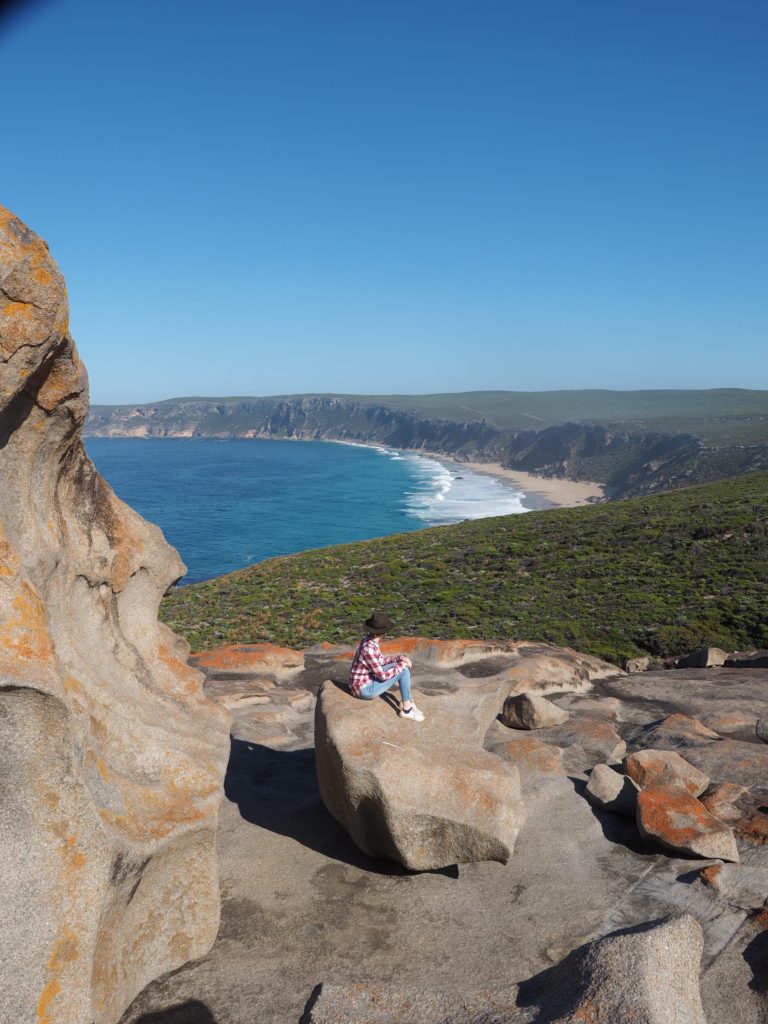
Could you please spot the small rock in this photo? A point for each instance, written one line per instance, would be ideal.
(529, 711)
(632, 665)
(612, 791)
(721, 799)
(666, 768)
(681, 823)
(762, 729)
(703, 657)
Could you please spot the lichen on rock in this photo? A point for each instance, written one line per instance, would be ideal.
(111, 757)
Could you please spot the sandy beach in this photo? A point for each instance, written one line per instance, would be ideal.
(545, 492)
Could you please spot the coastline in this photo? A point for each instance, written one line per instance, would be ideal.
(539, 492)
(557, 492)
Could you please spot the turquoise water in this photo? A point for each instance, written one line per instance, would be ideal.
(225, 504)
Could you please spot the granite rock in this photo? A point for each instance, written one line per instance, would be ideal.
(111, 758)
(424, 794)
(679, 822)
(667, 768)
(530, 711)
(612, 791)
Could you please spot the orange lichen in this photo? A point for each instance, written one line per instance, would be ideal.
(711, 874)
(249, 657)
(674, 815)
(26, 632)
(533, 755)
(64, 377)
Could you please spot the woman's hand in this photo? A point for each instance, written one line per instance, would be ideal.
(406, 661)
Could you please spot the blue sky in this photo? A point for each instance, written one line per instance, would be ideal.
(272, 197)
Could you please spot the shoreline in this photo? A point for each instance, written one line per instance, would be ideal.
(539, 492)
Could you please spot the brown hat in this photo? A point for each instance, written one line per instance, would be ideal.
(379, 623)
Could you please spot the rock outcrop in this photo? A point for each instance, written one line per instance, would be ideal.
(111, 758)
(427, 794)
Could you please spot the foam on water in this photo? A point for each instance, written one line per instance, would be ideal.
(447, 492)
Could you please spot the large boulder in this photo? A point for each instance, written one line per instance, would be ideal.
(647, 975)
(702, 657)
(111, 758)
(424, 794)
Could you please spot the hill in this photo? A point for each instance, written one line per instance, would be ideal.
(661, 574)
(632, 442)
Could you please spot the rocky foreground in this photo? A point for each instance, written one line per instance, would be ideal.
(604, 910)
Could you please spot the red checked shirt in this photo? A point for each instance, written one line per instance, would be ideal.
(370, 664)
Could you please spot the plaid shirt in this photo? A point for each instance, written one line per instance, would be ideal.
(370, 664)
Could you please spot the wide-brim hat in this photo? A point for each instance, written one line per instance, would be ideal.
(379, 623)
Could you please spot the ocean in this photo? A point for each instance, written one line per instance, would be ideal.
(225, 504)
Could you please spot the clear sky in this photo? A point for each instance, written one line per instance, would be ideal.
(272, 196)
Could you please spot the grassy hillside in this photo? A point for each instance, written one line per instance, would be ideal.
(660, 574)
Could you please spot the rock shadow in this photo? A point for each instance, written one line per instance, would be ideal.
(190, 1012)
(277, 790)
(556, 991)
(756, 956)
(619, 829)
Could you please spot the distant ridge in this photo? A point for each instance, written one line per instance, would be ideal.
(634, 442)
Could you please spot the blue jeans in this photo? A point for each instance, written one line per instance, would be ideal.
(377, 686)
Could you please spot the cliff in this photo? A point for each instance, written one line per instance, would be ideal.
(631, 460)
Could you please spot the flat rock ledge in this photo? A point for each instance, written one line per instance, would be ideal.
(424, 794)
(644, 975)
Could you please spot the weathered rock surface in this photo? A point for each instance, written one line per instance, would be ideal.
(649, 975)
(761, 729)
(299, 895)
(702, 657)
(611, 790)
(111, 758)
(681, 823)
(393, 1004)
(529, 711)
(666, 768)
(542, 668)
(532, 755)
(427, 794)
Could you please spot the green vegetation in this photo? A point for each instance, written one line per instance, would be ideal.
(661, 574)
(720, 415)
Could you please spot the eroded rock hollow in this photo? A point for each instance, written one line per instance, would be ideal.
(111, 758)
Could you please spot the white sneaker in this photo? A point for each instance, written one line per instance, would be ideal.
(412, 714)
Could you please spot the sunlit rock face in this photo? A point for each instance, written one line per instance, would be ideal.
(111, 758)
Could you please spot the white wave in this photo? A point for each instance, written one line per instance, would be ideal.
(449, 493)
